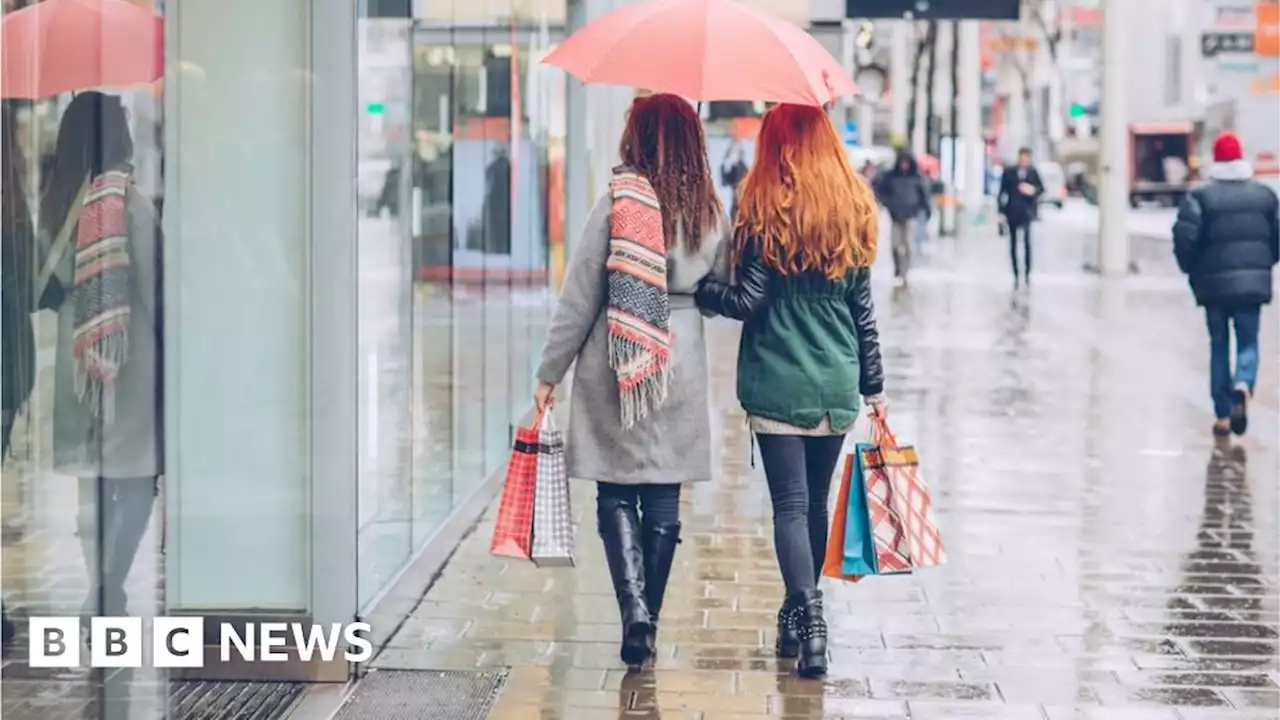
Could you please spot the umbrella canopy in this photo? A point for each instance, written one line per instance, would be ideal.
(58, 46)
(704, 50)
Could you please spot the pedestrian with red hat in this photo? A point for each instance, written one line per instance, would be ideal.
(1227, 240)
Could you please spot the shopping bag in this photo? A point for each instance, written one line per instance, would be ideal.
(513, 530)
(552, 513)
(900, 503)
(848, 521)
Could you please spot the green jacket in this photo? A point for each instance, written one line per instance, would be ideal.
(809, 345)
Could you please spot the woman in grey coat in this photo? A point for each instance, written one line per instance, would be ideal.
(639, 421)
(103, 278)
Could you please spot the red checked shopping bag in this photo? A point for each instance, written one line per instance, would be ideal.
(899, 504)
(513, 531)
(883, 522)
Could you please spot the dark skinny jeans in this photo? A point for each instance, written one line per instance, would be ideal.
(799, 472)
(656, 504)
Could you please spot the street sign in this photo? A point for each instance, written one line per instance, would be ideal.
(934, 9)
(850, 132)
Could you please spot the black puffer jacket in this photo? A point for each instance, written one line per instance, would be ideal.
(1227, 238)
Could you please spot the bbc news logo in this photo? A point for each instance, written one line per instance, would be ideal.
(178, 642)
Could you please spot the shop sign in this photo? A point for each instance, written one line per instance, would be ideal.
(1265, 85)
(935, 9)
(1213, 44)
(1267, 28)
(1239, 16)
(1014, 44)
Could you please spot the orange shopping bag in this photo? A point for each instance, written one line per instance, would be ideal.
(839, 523)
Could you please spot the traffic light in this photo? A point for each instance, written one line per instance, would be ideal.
(1077, 110)
(934, 9)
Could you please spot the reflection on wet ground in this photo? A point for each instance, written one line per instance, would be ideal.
(1108, 560)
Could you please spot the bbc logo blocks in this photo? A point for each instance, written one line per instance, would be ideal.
(116, 642)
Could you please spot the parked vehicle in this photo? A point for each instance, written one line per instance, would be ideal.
(1054, 179)
(1160, 162)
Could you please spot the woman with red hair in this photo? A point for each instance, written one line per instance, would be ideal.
(804, 240)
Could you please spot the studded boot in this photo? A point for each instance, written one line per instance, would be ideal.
(619, 525)
(811, 627)
(660, 543)
(788, 642)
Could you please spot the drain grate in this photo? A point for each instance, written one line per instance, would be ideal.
(198, 700)
(416, 694)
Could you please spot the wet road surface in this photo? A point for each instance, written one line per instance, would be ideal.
(1108, 559)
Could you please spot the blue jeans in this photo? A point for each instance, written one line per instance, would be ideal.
(922, 229)
(1220, 318)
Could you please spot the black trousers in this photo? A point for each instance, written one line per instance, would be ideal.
(1024, 230)
(658, 504)
(799, 471)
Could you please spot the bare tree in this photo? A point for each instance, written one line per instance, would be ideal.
(924, 47)
(1021, 49)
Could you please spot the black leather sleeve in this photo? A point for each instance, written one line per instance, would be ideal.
(871, 381)
(744, 299)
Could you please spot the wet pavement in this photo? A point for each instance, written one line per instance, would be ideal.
(1108, 560)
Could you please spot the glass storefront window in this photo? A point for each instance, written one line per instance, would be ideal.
(474, 237)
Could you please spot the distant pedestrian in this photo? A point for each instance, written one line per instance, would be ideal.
(640, 418)
(802, 251)
(903, 192)
(1227, 239)
(1020, 191)
(733, 167)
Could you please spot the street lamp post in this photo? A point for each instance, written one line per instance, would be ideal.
(1113, 171)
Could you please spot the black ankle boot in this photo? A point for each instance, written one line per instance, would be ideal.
(660, 542)
(788, 643)
(811, 627)
(619, 525)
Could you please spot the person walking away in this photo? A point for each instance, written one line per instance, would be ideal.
(804, 243)
(639, 420)
(103, 278)
(733, 167)
(18, 265)
(903, 193)
(1226, 240)
(1020, 191)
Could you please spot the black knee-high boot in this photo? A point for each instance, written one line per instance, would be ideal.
(660, 542)
(619, 524)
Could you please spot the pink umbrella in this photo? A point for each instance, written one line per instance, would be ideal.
(57, 46)
(704, 50)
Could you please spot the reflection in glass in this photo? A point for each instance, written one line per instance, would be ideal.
(83, 378)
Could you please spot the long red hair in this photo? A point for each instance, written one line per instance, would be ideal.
(802, 202)
(663, 140)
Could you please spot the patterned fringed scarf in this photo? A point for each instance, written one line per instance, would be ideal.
(639, 314)
(101, 292)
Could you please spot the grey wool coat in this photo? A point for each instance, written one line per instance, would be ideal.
(673, 443)
(131, 445)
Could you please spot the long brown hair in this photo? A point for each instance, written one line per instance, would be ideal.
(663, 141)
(802, 202)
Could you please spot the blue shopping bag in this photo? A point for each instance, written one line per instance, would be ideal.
(859, 547)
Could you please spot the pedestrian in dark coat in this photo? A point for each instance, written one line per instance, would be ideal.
(1019, 198)
(1227, 239)
(805, 242)
(904, 193)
